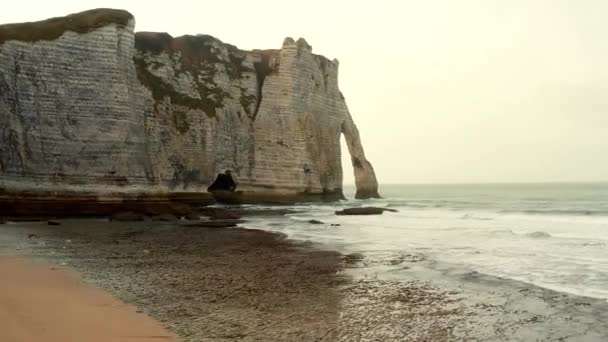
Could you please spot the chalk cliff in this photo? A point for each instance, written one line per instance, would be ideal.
(88, 106)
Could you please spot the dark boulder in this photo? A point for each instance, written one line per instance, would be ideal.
(315, 222)
(223, 182)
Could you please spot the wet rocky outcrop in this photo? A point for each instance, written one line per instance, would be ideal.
(89, 107)
(364, 211)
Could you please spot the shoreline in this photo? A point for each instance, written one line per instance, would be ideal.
(220, 284)
(497, 309)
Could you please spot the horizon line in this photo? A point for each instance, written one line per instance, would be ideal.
(491, 183)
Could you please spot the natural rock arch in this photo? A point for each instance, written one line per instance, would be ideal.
(365, 177)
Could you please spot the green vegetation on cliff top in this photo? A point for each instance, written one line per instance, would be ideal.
(53, 28)
(201, 56)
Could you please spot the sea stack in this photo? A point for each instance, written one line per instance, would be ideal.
(90, 108)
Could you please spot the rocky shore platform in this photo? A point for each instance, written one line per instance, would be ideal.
(36, 206)
(33, 206)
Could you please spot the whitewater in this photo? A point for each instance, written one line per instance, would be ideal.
(550, 235)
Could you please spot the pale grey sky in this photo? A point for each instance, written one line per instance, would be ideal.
(442, 90)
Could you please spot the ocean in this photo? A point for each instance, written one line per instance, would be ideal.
(553, 236)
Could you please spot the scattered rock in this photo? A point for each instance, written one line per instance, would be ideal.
(53, 223)
(131, 234)
(264, 212)
(160, 208)
(335, 225)
(127, 216)
(31, 236)
(27, 218)
(353, 258)
(181, 209)
(146, 251)
(219, 214)
(193, 217)
(364, 211)
(165, 217)
(315, 222)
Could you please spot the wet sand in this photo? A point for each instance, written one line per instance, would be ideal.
(210, 284)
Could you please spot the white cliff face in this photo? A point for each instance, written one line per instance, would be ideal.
(106, 111)
(68, 118)
(298, 123)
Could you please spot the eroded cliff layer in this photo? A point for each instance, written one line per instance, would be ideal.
(88, 106)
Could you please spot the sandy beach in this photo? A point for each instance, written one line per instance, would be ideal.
(235, 284)
(41, 302)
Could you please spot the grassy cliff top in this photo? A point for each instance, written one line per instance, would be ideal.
(53, 28)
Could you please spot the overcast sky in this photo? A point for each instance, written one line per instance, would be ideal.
(442, 90)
